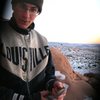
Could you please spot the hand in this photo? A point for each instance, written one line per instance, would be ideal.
(44, 95)
(56, 87)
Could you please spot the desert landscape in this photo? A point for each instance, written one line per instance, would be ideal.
(84, 58)
(79, 67)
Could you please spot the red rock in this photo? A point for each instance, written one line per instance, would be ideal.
(78, 87)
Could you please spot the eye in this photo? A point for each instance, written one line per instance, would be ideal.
(34, 9)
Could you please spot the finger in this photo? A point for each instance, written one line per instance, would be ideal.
(58, 85)
(61, 97)
(54, 91)
(44, 93)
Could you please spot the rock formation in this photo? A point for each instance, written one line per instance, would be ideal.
(79, 88)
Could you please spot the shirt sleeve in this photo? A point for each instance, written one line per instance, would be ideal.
(50, 73)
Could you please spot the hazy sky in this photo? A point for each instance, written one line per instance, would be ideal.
(72, 21)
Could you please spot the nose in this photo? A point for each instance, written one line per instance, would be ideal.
(26, 14)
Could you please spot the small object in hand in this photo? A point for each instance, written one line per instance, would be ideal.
(59, 92)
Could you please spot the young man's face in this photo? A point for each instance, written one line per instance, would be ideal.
(24, 14)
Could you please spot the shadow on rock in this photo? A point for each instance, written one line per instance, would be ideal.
(94, 81)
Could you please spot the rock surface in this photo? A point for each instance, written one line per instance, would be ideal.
(79, 88)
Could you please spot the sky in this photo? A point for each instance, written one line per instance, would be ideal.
(71, 21)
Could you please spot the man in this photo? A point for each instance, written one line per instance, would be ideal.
(26, 68)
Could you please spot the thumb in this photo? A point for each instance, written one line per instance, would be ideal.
(44, 93)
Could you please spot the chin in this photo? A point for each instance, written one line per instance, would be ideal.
(24, 27)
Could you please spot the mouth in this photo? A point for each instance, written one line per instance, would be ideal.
(24, 21)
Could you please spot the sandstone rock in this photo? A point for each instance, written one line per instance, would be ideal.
(94, 80)
(78, 87)
(62, 63)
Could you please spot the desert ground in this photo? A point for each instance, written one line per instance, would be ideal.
(78, 66)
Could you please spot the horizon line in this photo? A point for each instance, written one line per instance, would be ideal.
(72, 43)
